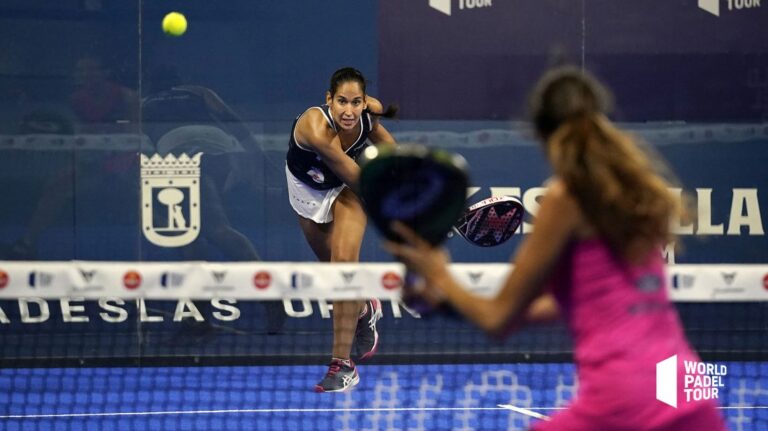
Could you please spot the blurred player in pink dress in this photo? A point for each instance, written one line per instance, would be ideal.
(594, 258)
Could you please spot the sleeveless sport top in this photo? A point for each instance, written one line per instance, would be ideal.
(307, 166)
(615, 310)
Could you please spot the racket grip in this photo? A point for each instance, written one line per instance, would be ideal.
(411, 296)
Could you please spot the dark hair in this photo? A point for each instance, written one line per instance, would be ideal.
(563, 94)
(350, 74)
(614, 180)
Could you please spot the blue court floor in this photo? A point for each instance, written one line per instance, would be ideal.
(389, 397)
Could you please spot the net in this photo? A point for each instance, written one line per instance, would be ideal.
(200, 345)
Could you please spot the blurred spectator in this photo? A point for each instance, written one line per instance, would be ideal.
(101, 104)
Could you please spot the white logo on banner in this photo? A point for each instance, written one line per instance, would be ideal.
(666, 381)
(348, 276)
(170, 187)
(444, 6)
(87, 275)
(39, 279)
(219, 276)
(474, 277)
(701, 381)
(713, 6)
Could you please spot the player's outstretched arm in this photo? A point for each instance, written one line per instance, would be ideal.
(534, 260)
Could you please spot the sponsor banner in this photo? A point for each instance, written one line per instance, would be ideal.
(278, 280)
(482, 279)
(340, 281)
(200, 280)
(717, 283)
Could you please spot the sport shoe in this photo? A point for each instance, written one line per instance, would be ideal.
(342, 375)
(366, 336)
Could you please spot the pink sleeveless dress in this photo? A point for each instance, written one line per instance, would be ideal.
(622, 323)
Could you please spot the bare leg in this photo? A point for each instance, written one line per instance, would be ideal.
(318, 237)
(340, 241)
(346, 240)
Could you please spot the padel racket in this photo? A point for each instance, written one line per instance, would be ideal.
(421, 187)
(491, 221)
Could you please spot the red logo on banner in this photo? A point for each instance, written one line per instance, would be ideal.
(262, 280)
(3, 279)
(132, 280)
(765, 282)
(390, 280)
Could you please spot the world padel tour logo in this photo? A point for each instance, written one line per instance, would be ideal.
(701, 381)
(713, 6)
(170, 199)
(444, 6)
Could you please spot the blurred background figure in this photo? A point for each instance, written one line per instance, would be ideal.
(189, 119)
(101, 103)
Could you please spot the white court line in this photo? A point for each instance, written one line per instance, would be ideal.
(526, 412)
(207, 412)
(529, 411)
(743, 407)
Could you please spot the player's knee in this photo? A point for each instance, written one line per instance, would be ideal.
(340, 255)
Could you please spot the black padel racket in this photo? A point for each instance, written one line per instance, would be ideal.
(423, 188)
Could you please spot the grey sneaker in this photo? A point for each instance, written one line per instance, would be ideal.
(342, 375)
(366, 336)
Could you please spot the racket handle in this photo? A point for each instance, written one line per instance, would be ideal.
(412, 299)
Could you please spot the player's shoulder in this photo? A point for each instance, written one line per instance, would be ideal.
(314, 115)
(562, 203)
(560, 196)
(556, 187)
(313, 126)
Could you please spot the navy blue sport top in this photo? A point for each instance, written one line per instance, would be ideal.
(307, 166)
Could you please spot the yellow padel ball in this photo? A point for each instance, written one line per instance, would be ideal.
(174, 24)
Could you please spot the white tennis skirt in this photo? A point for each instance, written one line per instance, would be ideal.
(316, 205)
